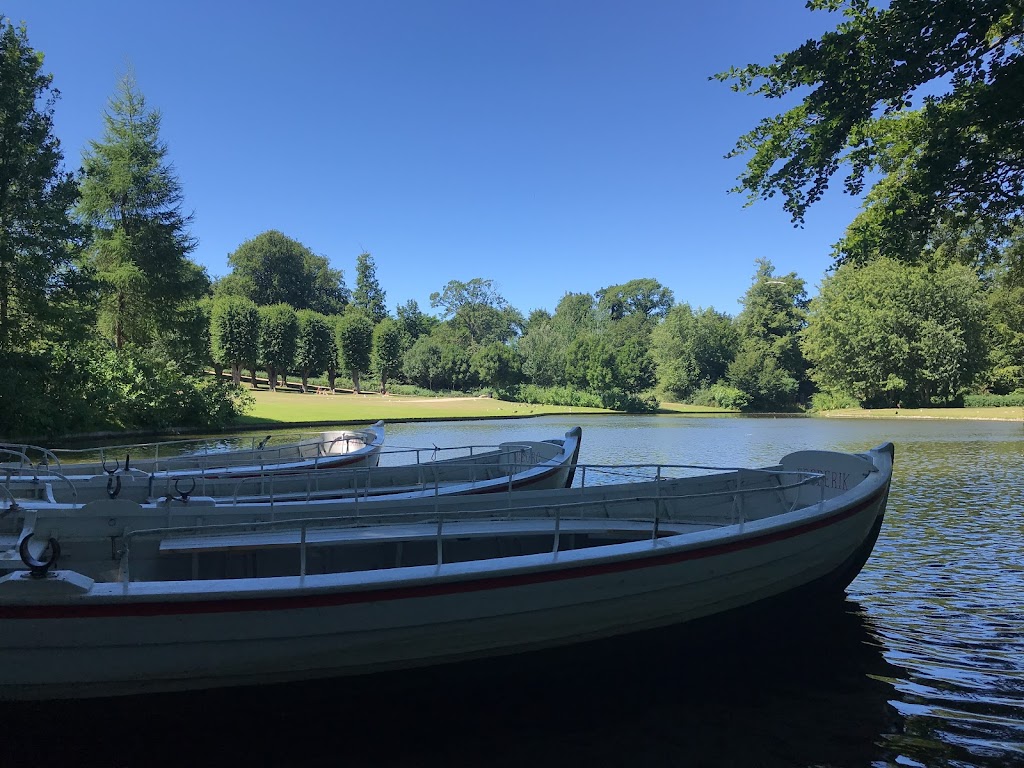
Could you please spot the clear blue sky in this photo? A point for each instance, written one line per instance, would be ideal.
(550, 146)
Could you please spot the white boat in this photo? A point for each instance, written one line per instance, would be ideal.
(184, 458)
(466, 470)
(429, 581)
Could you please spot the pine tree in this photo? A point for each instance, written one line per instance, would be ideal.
(368, 295)
(133, 200)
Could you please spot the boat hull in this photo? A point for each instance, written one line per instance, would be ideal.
(320, 626)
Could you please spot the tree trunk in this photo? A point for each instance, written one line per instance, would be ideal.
(272, 378)
(305, 379)
(252, 375)
(355, 382)
(236, 373)
(331, 376)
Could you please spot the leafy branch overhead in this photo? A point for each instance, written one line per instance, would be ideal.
(925, 95)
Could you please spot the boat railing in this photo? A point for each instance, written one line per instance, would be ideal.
(202, 454)
(354, 482)
(435, 453)
(41, 476)
(557, 513)
(23, 453)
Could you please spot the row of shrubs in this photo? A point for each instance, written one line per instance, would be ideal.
(995, 401)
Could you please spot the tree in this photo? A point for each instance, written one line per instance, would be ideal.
(421, 363)
(354, 336)
(388, 345)
(888, 333)
(769, 365)
(368, 295)
(413, 320)
(39, 238)
(272, 268)
(497, 365)
(955, 159)
(693, 349)
(133, 201)
(543, 351)
(645, 297)
(279, 331)
(314, 346)
(235, 334)
(477, 308)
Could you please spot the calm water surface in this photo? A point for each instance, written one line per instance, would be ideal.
(922, 665)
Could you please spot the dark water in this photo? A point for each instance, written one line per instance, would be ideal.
(922, 665)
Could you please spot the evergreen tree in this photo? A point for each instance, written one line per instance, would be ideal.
(368, 295)
(133, 200)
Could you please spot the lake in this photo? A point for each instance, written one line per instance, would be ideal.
(922, 665)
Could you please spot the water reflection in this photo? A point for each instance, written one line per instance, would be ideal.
(768, 690)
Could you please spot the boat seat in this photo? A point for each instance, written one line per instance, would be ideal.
(253, 540)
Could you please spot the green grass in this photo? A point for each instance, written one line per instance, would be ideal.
(290, 407)
(1013, 413)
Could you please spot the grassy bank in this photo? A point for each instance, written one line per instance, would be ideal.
(984, 414)
(291, 407)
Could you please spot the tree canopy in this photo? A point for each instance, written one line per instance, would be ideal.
(273, 268)
(368, 295)
(39, 238)
(922, 95)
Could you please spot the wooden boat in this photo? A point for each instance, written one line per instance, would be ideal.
(428, 581)
(468, 470)
(180, 458)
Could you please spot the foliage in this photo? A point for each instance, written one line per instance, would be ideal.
(721, 396)
(354, 335)
(768, 365)
(388, 344)
(889, 333)
(479, 310)
(530, 393)
(1013, 399)
(272, 268)
(234, 333)
(133, 202)
(279, 333)
(40, 283)
(833, 401)
(1005, 332)
(692, 349)
(543, 352)
(644, 297)
(414, 322)
(368, 295)
(421, 363)
(497, 365)
(314, 345)
(955, 158)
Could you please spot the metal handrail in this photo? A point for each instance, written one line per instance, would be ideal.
(302, 525)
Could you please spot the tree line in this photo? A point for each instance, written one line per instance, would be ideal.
(107, 323)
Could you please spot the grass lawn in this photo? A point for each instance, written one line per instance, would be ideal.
(291, 407)
(988, 414)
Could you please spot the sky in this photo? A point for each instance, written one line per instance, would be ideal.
(550, 146)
